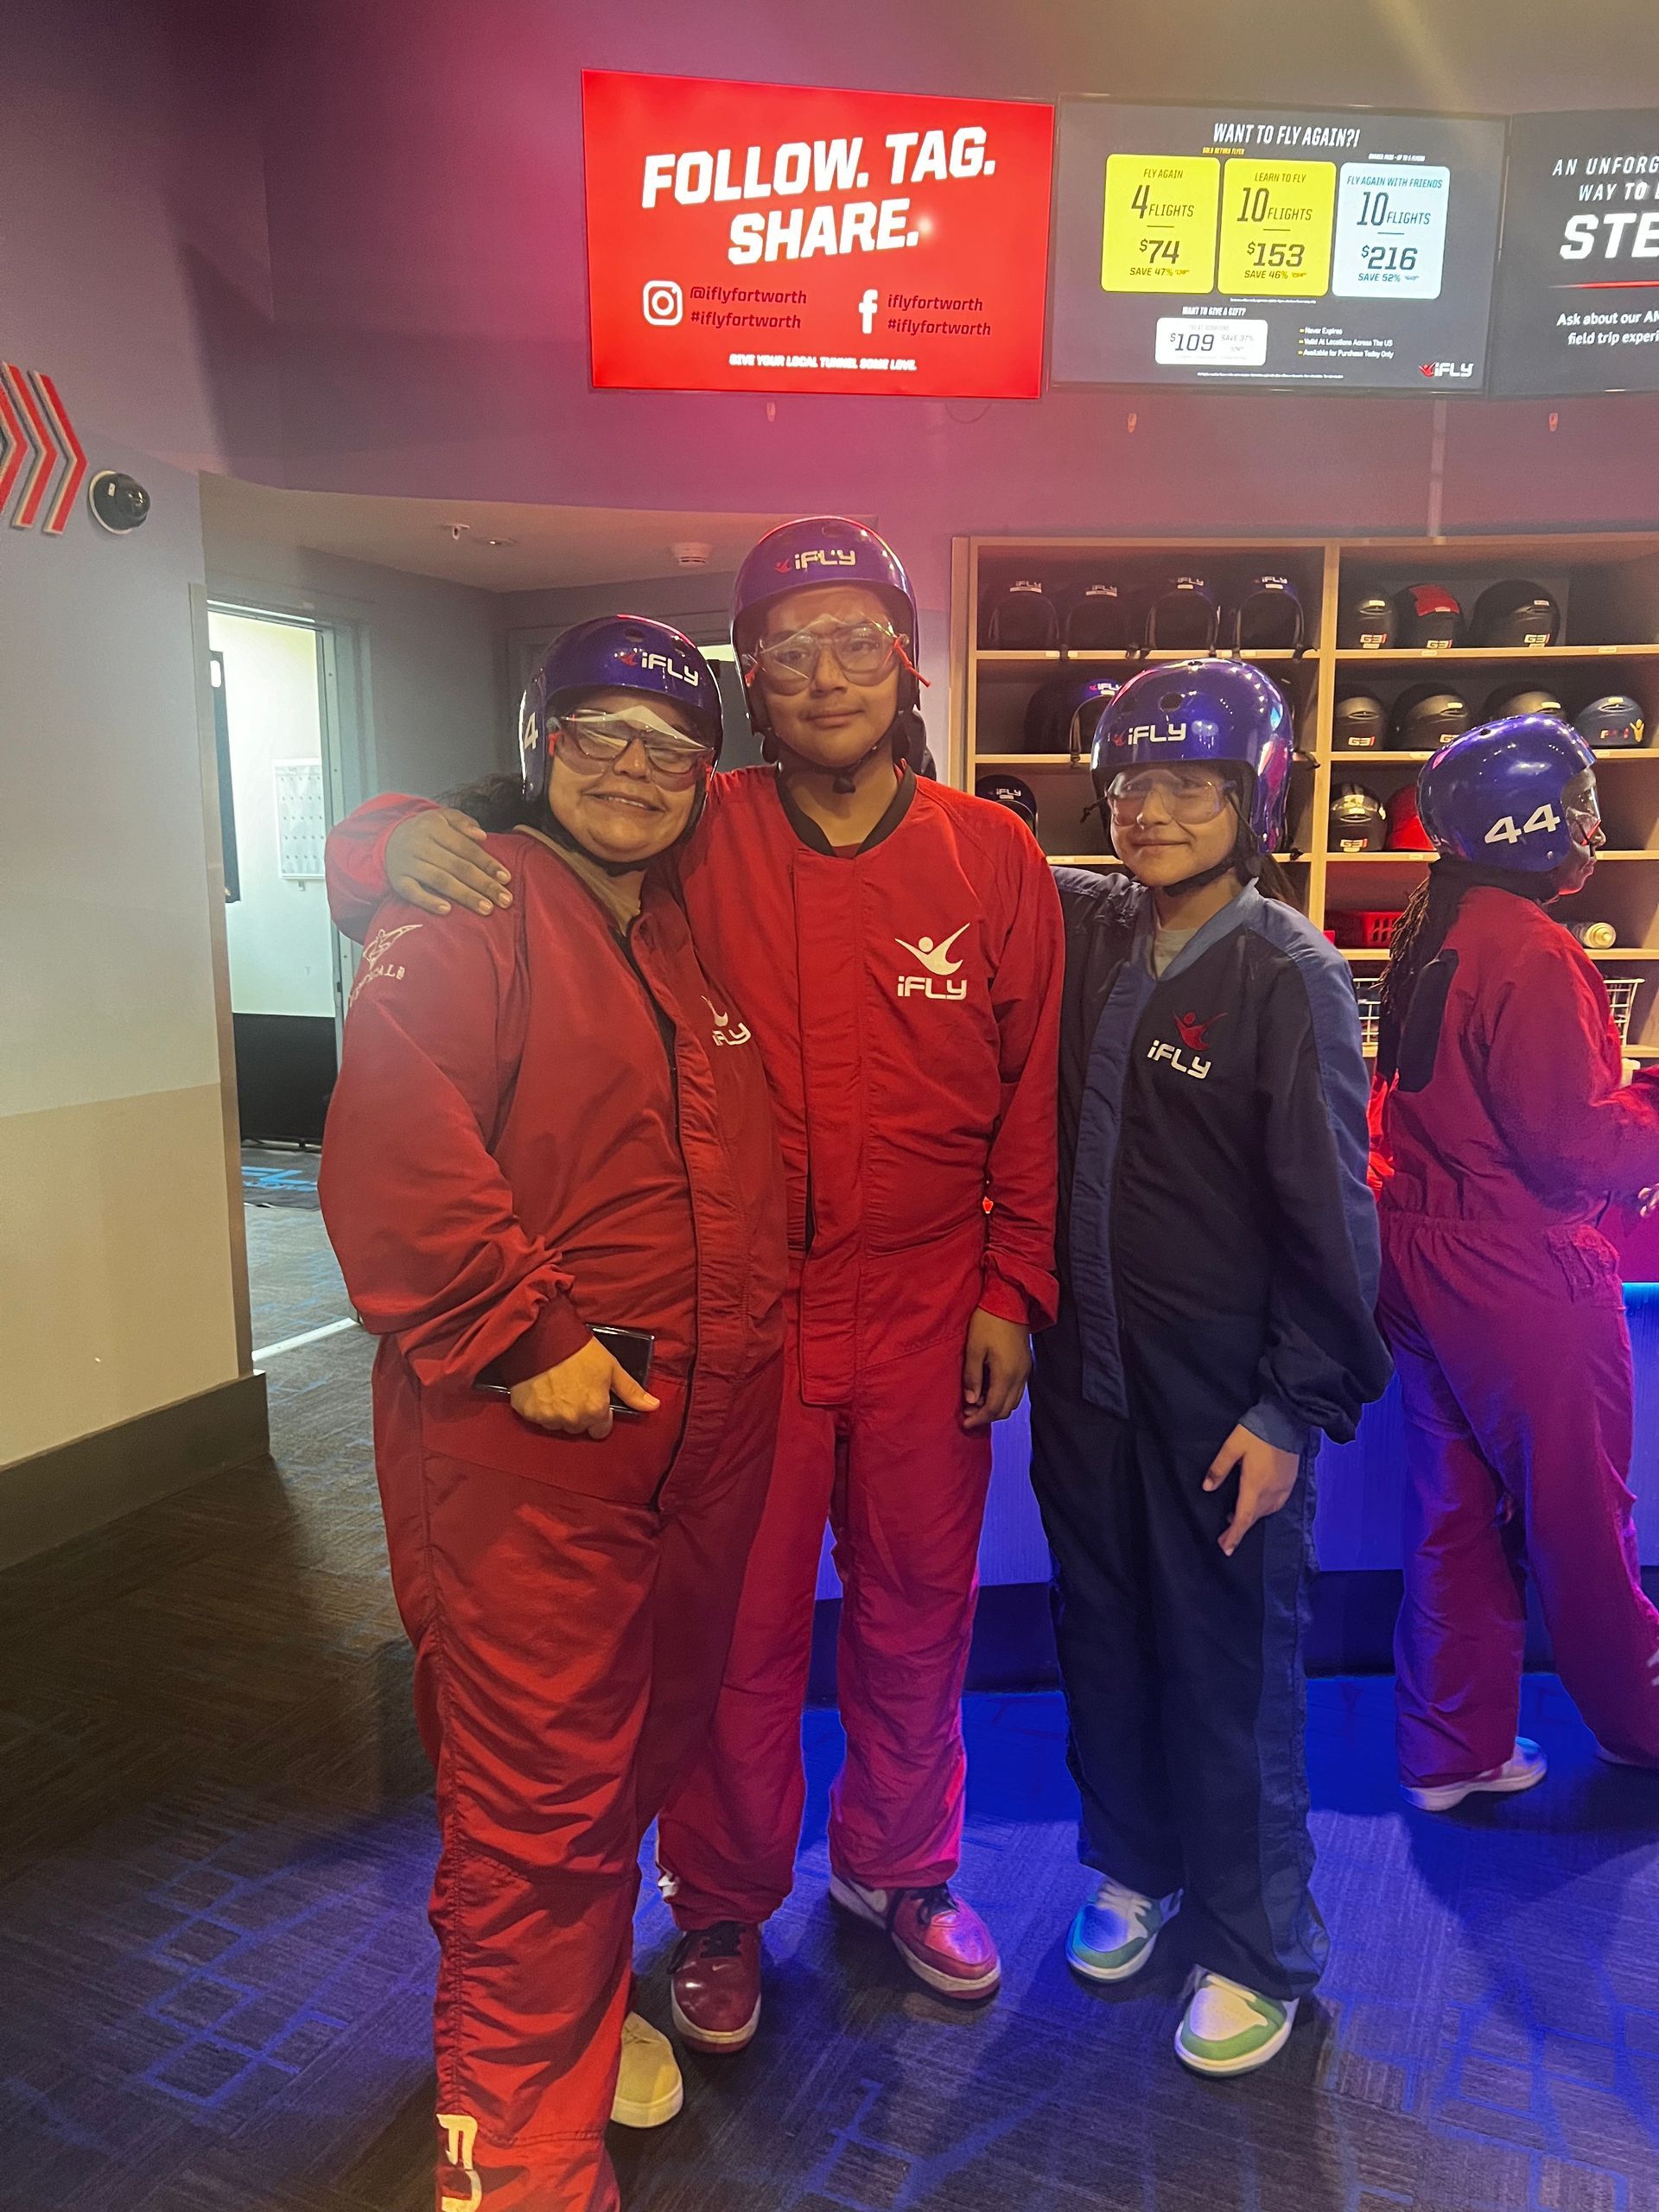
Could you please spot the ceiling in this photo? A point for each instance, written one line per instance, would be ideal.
(540, 548)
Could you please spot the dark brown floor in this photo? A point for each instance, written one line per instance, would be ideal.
(217, 1839)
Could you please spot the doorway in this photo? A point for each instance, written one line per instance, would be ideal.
(268, 672)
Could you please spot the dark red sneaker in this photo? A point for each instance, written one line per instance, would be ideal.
(715, 1976)
(942, 1940)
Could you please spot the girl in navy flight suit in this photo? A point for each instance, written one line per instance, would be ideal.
(1218, 1258)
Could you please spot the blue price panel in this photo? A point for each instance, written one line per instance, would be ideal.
(1391, 241)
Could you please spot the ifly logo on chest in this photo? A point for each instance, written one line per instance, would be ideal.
(1198, 1069)
(942, 980)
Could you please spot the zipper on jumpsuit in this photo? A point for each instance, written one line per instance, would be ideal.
(665, 1038)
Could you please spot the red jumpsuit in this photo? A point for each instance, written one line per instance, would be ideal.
(537, 1126)
(907, 1002)
(1502, 1302)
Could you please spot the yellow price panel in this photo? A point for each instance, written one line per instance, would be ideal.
(1160, 223)
(1276, 222)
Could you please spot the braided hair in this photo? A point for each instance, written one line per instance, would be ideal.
(1422, 929)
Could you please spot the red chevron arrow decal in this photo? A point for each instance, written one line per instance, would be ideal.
(75, 475)
(35, 426)
(23, 411)
(12, 443)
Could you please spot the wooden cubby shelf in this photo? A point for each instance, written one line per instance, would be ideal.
(1607, 587)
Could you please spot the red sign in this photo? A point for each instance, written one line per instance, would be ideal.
(757, 238)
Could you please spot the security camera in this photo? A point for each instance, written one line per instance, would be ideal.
(690, 553)
(119, 503)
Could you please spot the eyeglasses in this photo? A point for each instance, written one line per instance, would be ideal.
(863, 651)
(602, 736)
(1191, 799)
(1581, 804)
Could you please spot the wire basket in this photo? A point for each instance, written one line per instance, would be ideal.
(1621, 997)
(1370, 994)
(1368, 931)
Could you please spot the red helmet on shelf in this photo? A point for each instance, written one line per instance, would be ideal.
(1406, 830)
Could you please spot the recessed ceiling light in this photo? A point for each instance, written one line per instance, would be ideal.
(500, 541)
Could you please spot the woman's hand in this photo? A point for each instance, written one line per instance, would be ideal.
(1267, 1475)
(995, 1361)
(1646, 1201)
(574, 1398)
(434, 859)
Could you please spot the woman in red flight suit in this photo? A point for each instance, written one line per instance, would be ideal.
(898, 946)
(546, 1126)
(1504, 1131)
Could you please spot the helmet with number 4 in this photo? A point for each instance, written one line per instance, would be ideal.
(1501, 795)
(614, 653)
(1221, 712)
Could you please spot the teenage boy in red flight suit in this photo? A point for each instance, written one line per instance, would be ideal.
(897, 946)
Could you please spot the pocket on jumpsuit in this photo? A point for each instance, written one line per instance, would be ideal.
(624, 1468)
(1587, 1263)
(924, 1293)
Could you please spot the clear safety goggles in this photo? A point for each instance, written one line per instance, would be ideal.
(600, 735)
(863, 652)
(1581, 804)
(1191, 796)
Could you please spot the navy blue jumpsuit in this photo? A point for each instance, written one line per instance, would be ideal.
(1218, 1260)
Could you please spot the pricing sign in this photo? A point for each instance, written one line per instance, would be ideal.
(1161, 224)
(1344, 249)
(1390, 232)
(1577, 297)
(1275, 229)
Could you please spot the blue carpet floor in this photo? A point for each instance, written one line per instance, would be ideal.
(216, 1844)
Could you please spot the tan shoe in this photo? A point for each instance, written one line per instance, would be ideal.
(649, 2091)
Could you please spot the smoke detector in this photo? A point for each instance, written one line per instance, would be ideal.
(690, 553)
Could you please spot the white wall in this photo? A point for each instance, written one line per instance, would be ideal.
(281, 943)
(116, 1291)
(436, 673)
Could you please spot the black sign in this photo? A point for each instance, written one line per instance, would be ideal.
(1242, 245)
(1578, 289)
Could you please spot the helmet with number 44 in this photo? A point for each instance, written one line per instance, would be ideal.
(1518, 794)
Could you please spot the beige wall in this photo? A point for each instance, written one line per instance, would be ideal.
(115, 1227)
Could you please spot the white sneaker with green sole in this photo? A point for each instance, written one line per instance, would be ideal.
(1524, 1768)
(1113, 1935)
(1228, 2029)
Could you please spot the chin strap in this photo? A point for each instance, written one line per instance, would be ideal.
(905, 737)
(1231, 866)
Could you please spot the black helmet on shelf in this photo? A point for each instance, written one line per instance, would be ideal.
(1096, 617)
(1521, 699)
(1358, 822)
(1366, 618)
(1012, 792)
(1266, 617)
(1425, 715)
(1614, 721)
(1360, 722)
(1047, 712)
(1180, 615)
(1019, 616)
(1428, 614)
(1515, 612)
